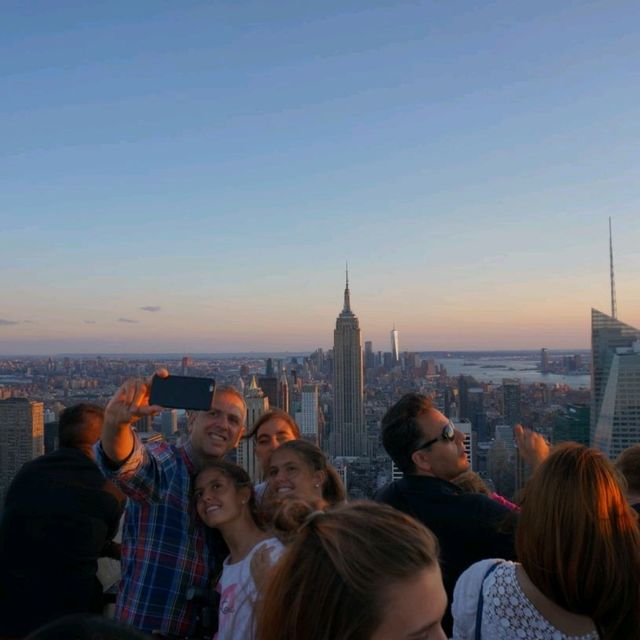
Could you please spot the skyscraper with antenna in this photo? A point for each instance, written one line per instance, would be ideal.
(614, 311)
(348, 437)
(395, 348)
(615, 377)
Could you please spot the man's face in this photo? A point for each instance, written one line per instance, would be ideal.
(443, 459)
(215, 432)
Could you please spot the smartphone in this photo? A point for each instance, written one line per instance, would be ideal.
(182, 392)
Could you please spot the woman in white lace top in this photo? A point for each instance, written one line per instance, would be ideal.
(579, 547)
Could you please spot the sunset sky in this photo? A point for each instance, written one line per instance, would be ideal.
(192, 176)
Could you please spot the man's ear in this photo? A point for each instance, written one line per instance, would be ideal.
(421, 461)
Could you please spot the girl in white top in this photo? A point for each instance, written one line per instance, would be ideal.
(225, 500)
(579, 547)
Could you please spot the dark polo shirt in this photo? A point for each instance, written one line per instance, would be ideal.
(469, 526)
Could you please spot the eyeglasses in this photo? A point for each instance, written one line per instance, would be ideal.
(448, 434)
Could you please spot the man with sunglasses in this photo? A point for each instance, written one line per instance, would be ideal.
(430, 452)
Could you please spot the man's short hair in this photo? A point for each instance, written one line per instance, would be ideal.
(231, 390)
(628, 464)
(401, 434)
(80, 425)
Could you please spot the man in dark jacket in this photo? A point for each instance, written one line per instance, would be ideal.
(430, 452)
(59, 517)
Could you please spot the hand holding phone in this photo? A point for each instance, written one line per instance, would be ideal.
(182, 392)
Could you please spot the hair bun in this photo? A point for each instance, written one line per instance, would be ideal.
(293, 513)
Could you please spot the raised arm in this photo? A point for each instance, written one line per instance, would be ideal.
(533, 447)
(128, 404)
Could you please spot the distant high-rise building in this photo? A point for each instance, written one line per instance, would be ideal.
(469, 441)
(184, 366)
(269, 371)
(544, 360)
(283, 392)
(308, 417)
(21, 437)
(257, 404)
(169, 422)
(475, 405)
(463, 397)
(615, 384)
(572, 424)
(369, 356)
(511, 398)
(348, 386)
(269, 385)
(395, 348)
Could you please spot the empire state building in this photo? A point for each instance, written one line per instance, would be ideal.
(348, 390)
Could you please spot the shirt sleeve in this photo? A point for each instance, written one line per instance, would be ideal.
(465, 600)
(145, 474)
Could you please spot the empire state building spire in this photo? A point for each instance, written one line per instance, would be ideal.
(348, 434)
(346, 309)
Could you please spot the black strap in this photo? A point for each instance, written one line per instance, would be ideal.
(481, 600)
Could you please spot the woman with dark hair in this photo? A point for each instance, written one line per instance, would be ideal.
(271, 430)
(579, 548)
(300, 469)
(362, 571)
(225, 500)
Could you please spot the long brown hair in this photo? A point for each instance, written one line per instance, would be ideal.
(332, 581)
(579, 542)
(240, 479)
(274, 414)
(333, 490)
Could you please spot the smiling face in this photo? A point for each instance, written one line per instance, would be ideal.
(215, 432)
(289, 475)
(217, 499)
(414, 608)
(270, 436)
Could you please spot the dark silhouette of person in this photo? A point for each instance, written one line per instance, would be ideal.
(60, 515)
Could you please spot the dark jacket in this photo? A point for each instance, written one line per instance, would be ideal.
(58, 515)
(469, 526)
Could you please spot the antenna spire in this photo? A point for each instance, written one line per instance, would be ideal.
(347, 295)
(614, 311)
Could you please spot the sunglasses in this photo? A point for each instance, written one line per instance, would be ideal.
(448, 434)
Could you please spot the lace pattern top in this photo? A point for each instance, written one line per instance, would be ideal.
(507, 612)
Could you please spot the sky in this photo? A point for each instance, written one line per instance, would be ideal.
(192, 176)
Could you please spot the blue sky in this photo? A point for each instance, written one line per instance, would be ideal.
(222, 160)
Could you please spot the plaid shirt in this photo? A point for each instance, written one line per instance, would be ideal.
(165, 548)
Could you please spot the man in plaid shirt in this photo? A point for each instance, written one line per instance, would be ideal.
(165, 548)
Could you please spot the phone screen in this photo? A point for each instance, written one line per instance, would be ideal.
(182, 392)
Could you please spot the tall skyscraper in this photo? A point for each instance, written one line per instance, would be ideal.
(257, 404)
(348, 389)
(21, 437)
(395, 348)
(615, 384)
(544, 361)
(369, 357)
(169, 422)
(511, 397)
(308, 416)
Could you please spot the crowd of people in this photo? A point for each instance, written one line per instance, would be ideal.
(206, 554)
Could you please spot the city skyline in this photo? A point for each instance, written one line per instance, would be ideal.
(190, 178)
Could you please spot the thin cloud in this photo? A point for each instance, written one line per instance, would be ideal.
(6, 323)
(127, 320)
(89, 321)
(151, 309)
(28, 322)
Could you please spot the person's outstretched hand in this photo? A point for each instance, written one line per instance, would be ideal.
(533, 447)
